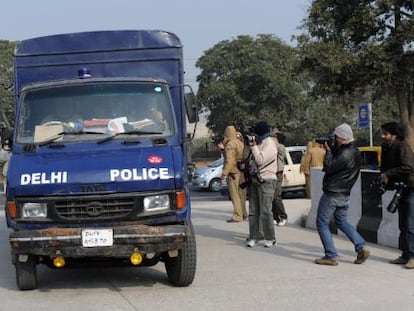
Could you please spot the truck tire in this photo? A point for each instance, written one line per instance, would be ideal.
(181, 269)
(215, 185)
(26, 276)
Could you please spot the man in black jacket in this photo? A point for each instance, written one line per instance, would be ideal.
(341, 166)
(397, 166)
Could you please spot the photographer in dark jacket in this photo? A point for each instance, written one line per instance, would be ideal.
(341, 166)
(397, 166)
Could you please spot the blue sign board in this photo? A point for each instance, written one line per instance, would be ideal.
(363, 115)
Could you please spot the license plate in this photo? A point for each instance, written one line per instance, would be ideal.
(97, 237)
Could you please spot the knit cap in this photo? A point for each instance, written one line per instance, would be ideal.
(344, 131)
(261, 128)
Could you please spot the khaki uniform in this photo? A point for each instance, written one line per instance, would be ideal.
(313, 157)
(233, 152)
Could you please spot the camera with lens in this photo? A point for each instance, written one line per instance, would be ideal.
(322, 140)
(330, 140)
(250, 137)
(399, 187)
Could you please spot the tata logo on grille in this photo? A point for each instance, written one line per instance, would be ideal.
(94, 209)
(154, 159)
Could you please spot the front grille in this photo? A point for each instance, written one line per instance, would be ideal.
(109, 208)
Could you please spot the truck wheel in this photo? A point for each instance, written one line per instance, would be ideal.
(26, 276)
(215, 185)
(181, 269)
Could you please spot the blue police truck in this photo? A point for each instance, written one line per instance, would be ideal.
(98, 170)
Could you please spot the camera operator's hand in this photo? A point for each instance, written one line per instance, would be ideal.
(326, 146)
(384, 179)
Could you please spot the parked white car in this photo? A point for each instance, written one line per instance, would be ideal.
(208, 177)
(293, 179)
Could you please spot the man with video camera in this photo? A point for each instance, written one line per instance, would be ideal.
(341, 165)
(263, 168)
(397, 168)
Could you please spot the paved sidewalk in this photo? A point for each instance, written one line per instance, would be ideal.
(285, 277)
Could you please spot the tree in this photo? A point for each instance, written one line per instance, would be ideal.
(361, 46)
(6, 78)
(247, 79)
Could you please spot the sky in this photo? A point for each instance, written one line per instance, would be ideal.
(199, 24)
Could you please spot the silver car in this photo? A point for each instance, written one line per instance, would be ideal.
(208, 177)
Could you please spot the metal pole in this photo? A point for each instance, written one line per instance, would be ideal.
(370, 124)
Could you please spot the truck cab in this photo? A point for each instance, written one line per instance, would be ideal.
(98, 170)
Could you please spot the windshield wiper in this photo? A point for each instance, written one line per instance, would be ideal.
(51, 140)
(60, 134)
(136, 132)
(83, 132)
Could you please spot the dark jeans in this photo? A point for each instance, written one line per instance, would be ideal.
(406, 224)
(335, 205)
(278, 209)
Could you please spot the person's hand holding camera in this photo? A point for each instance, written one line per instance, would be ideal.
(252, 142)
(384, 179)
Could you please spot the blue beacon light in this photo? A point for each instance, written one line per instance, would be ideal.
(84, 73)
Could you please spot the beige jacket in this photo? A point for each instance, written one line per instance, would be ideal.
(313, 157)
(233, 151)
(263, 154)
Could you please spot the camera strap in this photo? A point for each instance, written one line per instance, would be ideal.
(261, 167)
(245, 160)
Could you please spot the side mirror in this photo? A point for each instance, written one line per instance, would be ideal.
(6, 136)
(191, 106)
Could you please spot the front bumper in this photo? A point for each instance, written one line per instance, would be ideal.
(126, 239)
(199, 183)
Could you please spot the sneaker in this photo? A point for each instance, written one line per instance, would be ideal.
(326, 261)
(269, 243)
(363, 254)
(282, 222)
(274, 222)
(251, 243)
(410, 264)
(399, 261)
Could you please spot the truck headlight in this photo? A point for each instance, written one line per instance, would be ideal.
(34, 210)
(156, 203)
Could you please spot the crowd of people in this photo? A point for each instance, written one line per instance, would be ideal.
(254, 163)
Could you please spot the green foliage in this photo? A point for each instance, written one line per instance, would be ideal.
(6, 78)
(359, 47)
(246, 80)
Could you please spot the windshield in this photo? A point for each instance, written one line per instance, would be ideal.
(92, 111)
(217, 163)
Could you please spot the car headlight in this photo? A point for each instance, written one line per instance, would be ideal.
(157, 203)
(34, 210)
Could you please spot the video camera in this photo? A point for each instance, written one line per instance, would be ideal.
(330, 140)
